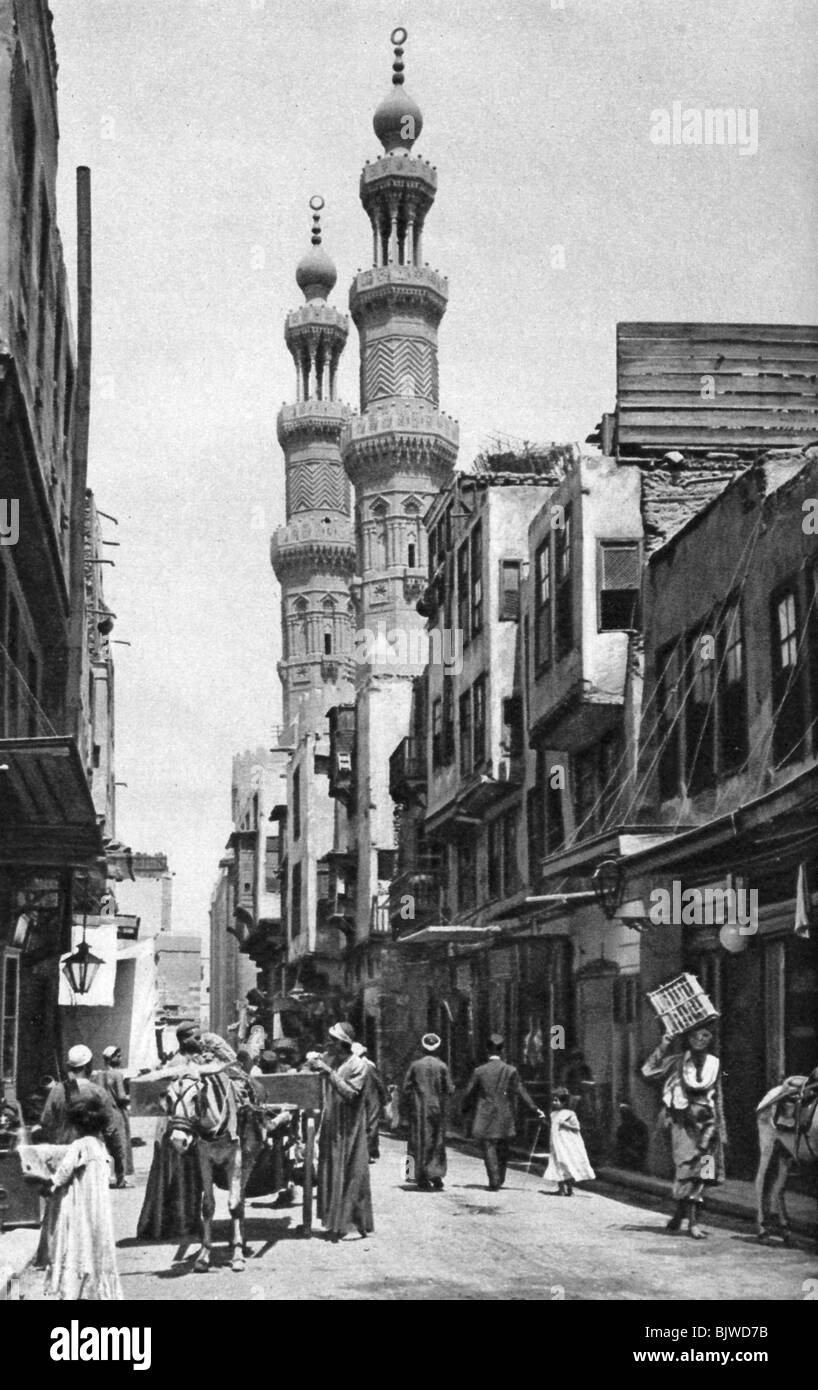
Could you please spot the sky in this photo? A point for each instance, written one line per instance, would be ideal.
(208, 124)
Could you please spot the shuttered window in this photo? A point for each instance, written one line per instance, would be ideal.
(509, 606)
(619, 581)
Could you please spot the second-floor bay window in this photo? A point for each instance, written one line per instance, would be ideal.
(465, 734)
(437, 732)
(467, 874)
(564, 612)
(463, 595)
(296, 816)
(477, 579)
(788, 677)
(542, 605)
(479, 720)
(732, 680)
(509, 604)
(295, 902)
(618, 581)
(700, 709)
(447, 734)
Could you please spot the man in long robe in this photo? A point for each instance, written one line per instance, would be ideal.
(344, 1196)
(427, 1088)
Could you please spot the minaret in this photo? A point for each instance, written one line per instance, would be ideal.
(401, 450)
(313, 555)
(398, 453)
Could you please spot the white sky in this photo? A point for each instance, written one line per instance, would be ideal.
(207, 125)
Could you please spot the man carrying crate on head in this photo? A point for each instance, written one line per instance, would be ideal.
(692, 1107)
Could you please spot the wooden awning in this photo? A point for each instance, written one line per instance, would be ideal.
(47, 816)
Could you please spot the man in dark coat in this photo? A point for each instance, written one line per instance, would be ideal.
(344, 1196)
(492, 1094)
(56, 1122)
(427, 1088)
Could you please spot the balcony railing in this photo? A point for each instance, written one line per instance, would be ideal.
(407, 769)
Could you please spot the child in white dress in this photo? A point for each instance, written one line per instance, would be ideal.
(81, 1252)
(567, 1159)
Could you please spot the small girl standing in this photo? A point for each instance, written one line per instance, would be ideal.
(567, 1159)
(81, 1254)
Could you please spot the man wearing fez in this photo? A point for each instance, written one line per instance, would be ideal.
(344, 1196)
(427, 1088)
(492, 1094)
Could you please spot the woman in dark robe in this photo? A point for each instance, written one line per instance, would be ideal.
(112, 1080)
(427, 1088)
(344, 1196)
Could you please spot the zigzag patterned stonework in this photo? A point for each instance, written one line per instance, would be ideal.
(400, 367)
(317, 487)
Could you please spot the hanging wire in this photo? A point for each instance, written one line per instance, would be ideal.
(28, 695)
(755, 535)
(767, 734)
(647, 739)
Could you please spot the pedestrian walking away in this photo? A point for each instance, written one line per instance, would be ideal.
(112, 1080)
(78, 1246)
(492, 1095)
(56, 1124)
(427, 1088)
(693, 1111)
(567, 1159)
(344, 1196)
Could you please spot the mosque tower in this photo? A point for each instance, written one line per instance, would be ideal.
(313, 555)
(398, 453)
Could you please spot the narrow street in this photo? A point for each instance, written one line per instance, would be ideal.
(462, 1244)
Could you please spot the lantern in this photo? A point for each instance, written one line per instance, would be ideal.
(608, 886)
(81, 967)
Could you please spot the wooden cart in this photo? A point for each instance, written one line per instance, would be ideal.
(303, 1090)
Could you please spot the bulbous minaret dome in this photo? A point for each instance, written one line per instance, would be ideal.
(313, 555)
(398, 120)
(315, 273)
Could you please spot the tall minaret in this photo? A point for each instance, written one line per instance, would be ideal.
(314, 554)
(398, 453)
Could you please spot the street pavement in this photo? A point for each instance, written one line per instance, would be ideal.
(464, 1243)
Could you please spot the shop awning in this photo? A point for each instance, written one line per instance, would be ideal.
(47, 816)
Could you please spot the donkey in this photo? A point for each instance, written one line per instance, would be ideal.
(784, 1148)
(206, 1107)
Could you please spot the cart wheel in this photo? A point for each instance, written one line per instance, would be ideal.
(309, 1160)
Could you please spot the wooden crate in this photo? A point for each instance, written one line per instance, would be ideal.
(681, 1004)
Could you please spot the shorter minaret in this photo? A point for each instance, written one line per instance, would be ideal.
(313, 555)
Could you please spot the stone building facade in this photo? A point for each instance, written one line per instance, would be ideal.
(51, 831)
